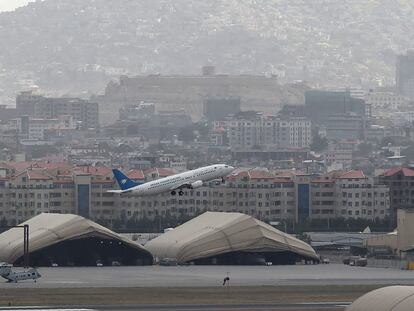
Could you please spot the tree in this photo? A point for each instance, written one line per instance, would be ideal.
(318, 143)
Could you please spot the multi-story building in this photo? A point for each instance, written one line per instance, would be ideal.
(84, 113)
(337, 155)
(270, 196)
(405, 74)
(323, 197)
(252, 130)
(189, 93)
(358, 196)
(29, 194)
(379, 103)
(400, 181)
(320, 105)
(216, 108)
(345, 126)
(35, 128)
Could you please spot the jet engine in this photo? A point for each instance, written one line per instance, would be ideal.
(196, 184)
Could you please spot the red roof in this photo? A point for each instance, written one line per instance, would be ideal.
(405, 171)
(21, 166)
(135, 174)
(55, 165)
(289, 173)
(161, 172)
(252, 174)
(219, 130)
(34, 175)
(37, 176)
(353, 175)
(256, 174)
(5, 165)
(328, 177)
(93, 170)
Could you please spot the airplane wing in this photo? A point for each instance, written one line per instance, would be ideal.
(182, 186)
(193, 185)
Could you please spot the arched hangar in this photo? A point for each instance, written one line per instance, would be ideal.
(391, 298)
(229, 238)
(70, 240)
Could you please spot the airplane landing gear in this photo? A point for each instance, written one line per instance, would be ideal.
(173, 192)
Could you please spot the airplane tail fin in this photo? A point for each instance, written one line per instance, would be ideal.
(123, 181)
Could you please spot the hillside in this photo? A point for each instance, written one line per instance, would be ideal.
(77, 46)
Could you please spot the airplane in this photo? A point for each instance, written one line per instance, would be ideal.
(176, 183)
(13, 276)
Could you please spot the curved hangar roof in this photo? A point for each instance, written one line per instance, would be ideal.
(49, 229)
(391, 298)
(216, 233)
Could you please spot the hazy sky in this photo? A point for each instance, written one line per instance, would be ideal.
(9, 5)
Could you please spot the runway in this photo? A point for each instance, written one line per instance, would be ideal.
(207, 276)
(300, 288)
(196, 307)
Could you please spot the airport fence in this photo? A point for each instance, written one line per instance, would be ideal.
(387, 263)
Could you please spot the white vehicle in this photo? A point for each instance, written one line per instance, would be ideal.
(15, 276)
(176, 183)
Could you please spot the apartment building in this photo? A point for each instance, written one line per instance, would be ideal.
(269, 196)
(360, 197)
(251, 130)
(37, 128)
(400, 181)
(380, 103)
(84, 113)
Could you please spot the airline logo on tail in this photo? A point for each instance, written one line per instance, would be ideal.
(123, 181)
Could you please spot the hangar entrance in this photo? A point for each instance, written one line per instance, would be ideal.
(249, 258)
(88, 251)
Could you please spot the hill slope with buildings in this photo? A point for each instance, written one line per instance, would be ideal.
(77, 46)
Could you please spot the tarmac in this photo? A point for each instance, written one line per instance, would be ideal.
(195, 307)
(207, 276)
(302, 288)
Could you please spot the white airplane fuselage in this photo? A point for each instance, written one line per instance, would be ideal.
(188, 180)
